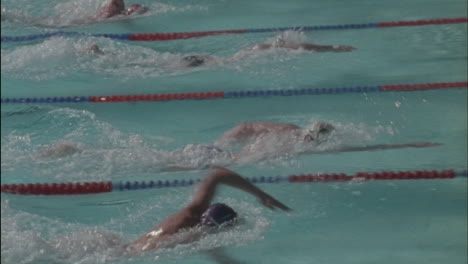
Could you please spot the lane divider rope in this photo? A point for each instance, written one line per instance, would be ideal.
(197, 34)
(235, 94)
(102, 187)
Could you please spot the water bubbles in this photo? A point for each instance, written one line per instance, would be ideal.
(289, 37)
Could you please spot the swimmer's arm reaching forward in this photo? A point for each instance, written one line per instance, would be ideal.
(190, 215)
(379, 147)
(390, 146)
(315, 47)
(206, 191)
(307, 46)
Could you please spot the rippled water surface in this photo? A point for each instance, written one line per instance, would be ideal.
(412, 221)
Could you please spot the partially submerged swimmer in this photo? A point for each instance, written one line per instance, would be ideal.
(258, 140)
(196, 60)
(112, 8)
(200, 214)
(246, 131)
(203, 156)
(256, 137)
(117, 7)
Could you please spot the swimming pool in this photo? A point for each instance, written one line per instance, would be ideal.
(411, 221)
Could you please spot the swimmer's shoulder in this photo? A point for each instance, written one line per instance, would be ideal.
(261, 47)
(271, 124)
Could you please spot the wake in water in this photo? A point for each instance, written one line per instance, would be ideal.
(61, 56)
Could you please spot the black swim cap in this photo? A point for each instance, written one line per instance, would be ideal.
(217, 214)
(193, 60)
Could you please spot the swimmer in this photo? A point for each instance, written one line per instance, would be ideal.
(286, 41)
(256, 137)
(117, 7)
(194, 60)
(113, 8)
(246, 142)
(246, 131)
(200, 215)
(199, 60)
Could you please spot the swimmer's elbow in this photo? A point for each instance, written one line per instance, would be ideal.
(215, 172)
(217, 175)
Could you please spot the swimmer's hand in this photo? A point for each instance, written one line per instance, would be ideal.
(272, 203)
(217, 175)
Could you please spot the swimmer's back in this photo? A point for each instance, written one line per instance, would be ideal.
(266, 126)
(245, 130)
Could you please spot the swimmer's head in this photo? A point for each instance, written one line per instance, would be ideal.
(136, 8)
(317, 132)
(94, 48)
(217, 215)
(193, 60)
(289, 37)
(279, 41)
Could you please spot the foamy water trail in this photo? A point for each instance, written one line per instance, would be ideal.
(69, 144)
(61, 56)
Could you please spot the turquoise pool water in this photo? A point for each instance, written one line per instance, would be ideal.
(413, 221)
